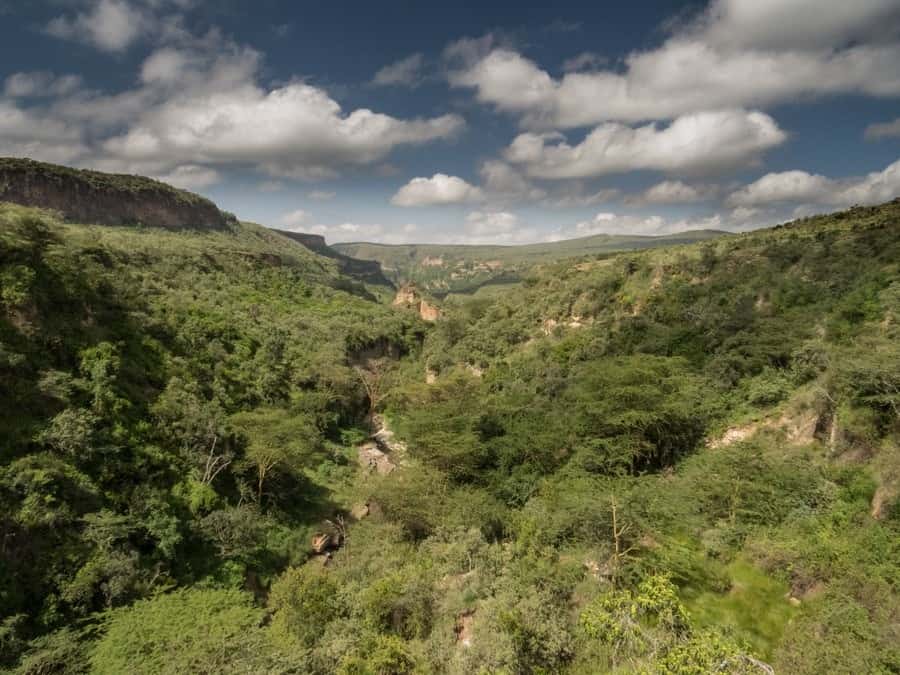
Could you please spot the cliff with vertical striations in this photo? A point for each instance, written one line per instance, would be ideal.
(104, 198)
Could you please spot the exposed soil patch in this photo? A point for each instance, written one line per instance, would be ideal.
(799, 428)
(734, 435)
(464, 625)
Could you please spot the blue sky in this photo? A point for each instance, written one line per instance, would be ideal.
(475, 122)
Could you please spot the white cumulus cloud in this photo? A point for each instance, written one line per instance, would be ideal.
(439, 189)
(294, 220)
(199, 101)
(109, 25)
(697, 143)
(675, 192)
(35, 134)
(503, 182)
(496, 227)
(735, 54)
(491, 223)
(805, 188)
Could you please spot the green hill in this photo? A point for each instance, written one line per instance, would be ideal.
(443, 269)
(218, 453)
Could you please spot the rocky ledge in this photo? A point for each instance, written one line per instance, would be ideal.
(104, 198)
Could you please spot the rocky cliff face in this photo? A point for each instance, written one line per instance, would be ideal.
(408, 296)
(106, 199)
(367, 271)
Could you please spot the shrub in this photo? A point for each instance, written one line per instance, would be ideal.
(304, 600)
(186, 631)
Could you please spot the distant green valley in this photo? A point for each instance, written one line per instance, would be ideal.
(443, 269)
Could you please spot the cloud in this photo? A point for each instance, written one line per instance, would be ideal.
(697, 143)
(296, 130)
(320, 195)
(439, 189)
(575, 194)
(109, 25)
(199, 102)
(801, 187)
(584, 61)
(40, 84)
(782, 187)
(270, 186)
(482, 223)
(349, 232)
(191, 177)
(502, 77)
(28, 133)
(479, 227)
(876, 132)
(503, 182)
(611, 223)
(294, 220)
(736, 54)
(496, 227)
(468, 51)
(401, 234)
(655, 225)
(167, 65)
(674, 192)
(405, 72)
(797, 24)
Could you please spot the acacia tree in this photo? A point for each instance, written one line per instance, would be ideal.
(199, 426)
(100, 366)
(277, 440)
(372, 375)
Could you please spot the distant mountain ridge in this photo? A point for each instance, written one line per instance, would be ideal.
(367, 271)
(463, 268)
(106, 199)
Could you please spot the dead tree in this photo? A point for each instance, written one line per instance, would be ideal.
(372, 373)
(620, 551)
(214, 463)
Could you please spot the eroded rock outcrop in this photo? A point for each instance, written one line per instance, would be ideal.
(106, 199)
(373, 459)
(798, 426)
(408, 297)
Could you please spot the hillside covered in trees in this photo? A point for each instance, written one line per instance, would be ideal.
(219, 454)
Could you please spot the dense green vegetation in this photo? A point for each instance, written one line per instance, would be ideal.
(441, 269)
(679, 460)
